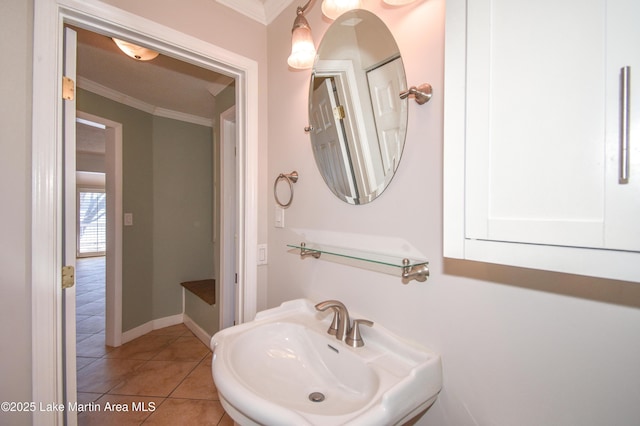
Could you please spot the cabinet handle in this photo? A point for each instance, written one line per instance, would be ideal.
(625, 77)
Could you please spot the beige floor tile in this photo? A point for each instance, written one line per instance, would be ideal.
(168, 361)
(83, 297)
(197, 385)
(82, 362)
(155, 378)
(186, 348)
(103, 374)
(93, 347)
(81, 317)
(81, 336)
(119, 410)
(144, 347)
(174, 331)
(226, 421)
(187, 412)
(87, 397)
(93, 308)
(90, 325)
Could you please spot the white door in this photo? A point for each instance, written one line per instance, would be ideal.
(69, 226)
(230, 309)
(389, 113)
(328, 142)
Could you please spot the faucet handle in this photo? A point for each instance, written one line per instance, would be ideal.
(354, 338)
(333, 328)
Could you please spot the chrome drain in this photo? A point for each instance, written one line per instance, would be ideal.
(316, 397)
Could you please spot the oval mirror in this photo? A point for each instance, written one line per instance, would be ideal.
(357, 120)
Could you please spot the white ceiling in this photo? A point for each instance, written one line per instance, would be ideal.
(162, 86)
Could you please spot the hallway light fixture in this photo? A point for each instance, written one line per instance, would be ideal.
(303, 51)
(134, 51)
(334, 8)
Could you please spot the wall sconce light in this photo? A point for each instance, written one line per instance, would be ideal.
(136, 52)
(334, 8)
(303, 51)
(398, 2)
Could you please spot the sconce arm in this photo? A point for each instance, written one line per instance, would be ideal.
(302, 9)
(421, 93)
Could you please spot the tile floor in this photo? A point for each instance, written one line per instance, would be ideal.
(167, 372)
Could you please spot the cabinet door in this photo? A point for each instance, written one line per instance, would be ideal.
(536, 121)
(622, 229)
(532, 131)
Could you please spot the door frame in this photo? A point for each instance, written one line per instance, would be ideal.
(113, 189)
(47, 166)
(228, 252)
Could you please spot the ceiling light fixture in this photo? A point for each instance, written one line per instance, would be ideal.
(334, 8)
(303, 51)
(136, 52)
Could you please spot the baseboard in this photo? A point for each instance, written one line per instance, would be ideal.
(145, 328)
(198, 331)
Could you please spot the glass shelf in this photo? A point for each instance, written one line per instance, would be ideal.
(408, 269)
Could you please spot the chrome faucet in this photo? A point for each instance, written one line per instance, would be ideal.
(342, 326)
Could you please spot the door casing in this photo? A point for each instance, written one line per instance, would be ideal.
(113, 279)
(47, 166)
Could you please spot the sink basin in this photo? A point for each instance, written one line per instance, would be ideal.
(284, 369)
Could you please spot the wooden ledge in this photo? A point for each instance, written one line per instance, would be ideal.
(204, 289)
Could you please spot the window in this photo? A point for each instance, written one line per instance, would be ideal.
(92, 222)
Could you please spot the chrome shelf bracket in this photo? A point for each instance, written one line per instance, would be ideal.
(415, 272)
(305, 252)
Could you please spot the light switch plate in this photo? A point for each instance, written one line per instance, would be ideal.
(128, 219)
(279, 217)
(262, 254)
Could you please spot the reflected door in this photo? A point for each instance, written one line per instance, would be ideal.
(328, 142)
(385, 84)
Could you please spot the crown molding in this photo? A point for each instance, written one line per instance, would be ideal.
(262, 11)
(119, 97)
(273, 8)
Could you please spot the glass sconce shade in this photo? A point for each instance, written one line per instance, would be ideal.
(334, 8)
(303, 51)
(136, 52)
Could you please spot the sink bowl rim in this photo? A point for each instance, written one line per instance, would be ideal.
(302, 313)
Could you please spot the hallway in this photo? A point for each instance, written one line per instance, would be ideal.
(162, 378)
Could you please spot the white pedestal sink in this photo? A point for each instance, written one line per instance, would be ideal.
(284, 369)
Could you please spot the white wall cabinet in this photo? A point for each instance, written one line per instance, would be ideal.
(533, 135)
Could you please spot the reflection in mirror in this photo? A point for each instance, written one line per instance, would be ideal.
(357, 120)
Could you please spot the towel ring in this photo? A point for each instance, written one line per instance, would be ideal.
(291, 178)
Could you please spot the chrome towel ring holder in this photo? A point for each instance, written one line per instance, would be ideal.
(291, 178)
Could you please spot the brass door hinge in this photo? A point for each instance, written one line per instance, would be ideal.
(338, 112)
(68, 276)
(68, 89)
